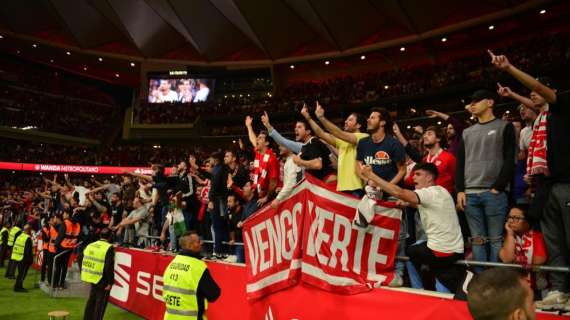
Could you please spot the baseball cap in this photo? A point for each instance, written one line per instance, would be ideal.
(483, 94)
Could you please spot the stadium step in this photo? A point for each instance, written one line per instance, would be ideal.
(74, 287)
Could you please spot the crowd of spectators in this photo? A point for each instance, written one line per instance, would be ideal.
(369, 87)
(39, 98)
(463, 193)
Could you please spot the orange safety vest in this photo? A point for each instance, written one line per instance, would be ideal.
(52, 236)
(45, 242)
(72, 230)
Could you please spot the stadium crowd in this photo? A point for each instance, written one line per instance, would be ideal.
(368, 87)
(493, 191)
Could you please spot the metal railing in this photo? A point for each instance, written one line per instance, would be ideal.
(467, 263)
(473, 263)
(51, 287)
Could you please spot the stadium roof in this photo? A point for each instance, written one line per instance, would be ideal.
(250, 31)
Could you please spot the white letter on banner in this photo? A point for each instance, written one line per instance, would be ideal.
(252, 251)
(274, 231)
(157, 288)
(361, 233)
(142, 279)
(322, 236)
(287, 254)
(297, 213)
(373, 256)
(262, 246)
(312, 230)
(337, 244)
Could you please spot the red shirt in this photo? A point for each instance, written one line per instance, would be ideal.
(445, 163)
(265, 168)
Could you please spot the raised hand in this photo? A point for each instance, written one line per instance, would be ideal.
(265, 119)
(396, 129)
(432, 113)
(500, 62)
(504, 91)
(248, 121)
(305, 111)
(319, 111)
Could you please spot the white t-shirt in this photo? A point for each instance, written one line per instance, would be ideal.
(525, 136)
(81, 190)
(171, 96)
(439, 219)
(201, 95)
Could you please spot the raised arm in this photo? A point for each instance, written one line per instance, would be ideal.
(101, 187)
(66, 176)
(502, 63)
(140, 176)
(332, 128)
(329, 138)
(294, 146)
(250, 133)
(508, 93)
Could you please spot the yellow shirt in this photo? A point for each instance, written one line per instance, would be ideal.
(347, 179)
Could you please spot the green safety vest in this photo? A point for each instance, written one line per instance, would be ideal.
(12, 235)
(19, 246)
(93, 262)
(180, 283)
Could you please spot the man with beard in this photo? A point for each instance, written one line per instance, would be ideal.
(381, 150)
(240, 175)
(313, 155)
(453, 131)
(442, 159)
(387, 157)
(345, 141)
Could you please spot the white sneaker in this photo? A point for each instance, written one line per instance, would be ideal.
(553, 300)
(231, 258)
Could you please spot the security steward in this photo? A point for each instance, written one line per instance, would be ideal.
(56, 234)
(4, 242)
(187, 282)
(72, 229)
(23, 255)
(97, 268)
(14, 233)
(46, 255)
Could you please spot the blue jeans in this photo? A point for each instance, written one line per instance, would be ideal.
(486, 213)
(400, 266)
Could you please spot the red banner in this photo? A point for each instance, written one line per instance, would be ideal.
(138, 288)
(40, 167)
(310, 237)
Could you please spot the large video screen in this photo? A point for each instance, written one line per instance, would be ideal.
(179, 90)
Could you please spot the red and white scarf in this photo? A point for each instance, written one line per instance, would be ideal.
(524, 248)
(260, 166)
(536, 160)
